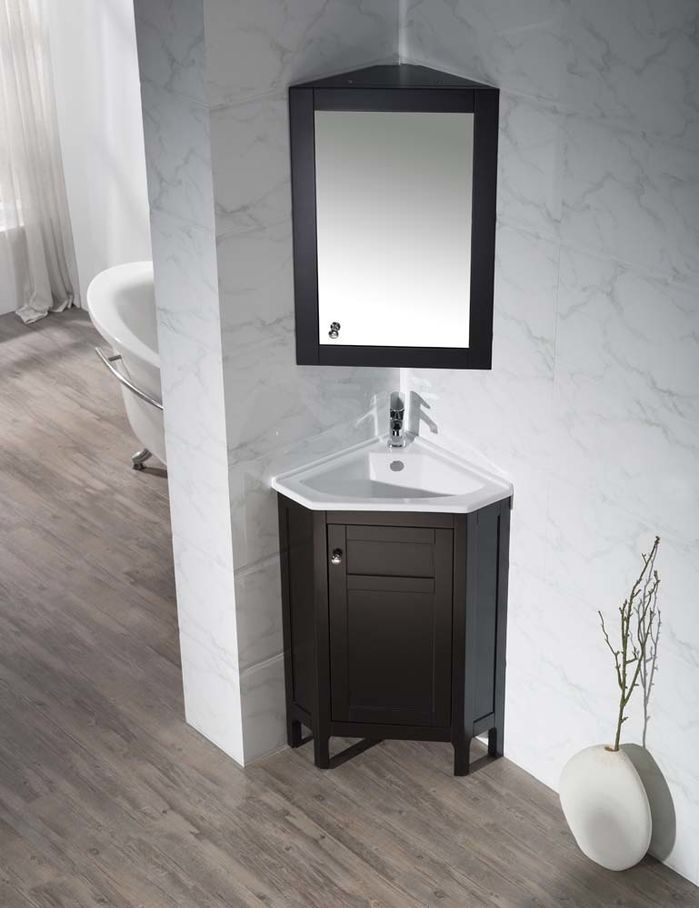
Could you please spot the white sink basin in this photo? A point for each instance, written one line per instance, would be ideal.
(370, 477)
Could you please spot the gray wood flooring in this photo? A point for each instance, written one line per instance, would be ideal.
(108, 798)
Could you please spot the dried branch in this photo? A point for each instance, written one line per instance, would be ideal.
(649, 666)
(614, 652)
(638, 644)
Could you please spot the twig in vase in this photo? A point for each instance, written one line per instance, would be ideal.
(639, 623)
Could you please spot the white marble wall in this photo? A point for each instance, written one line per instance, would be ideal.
(274, 407)
(592, 406)
(214, 78)
(176, 122)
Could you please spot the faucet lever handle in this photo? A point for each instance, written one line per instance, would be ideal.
(397, 405)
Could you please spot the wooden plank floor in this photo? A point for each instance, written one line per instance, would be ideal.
(108, 798)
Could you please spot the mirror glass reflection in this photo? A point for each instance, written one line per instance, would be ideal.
(393, 200)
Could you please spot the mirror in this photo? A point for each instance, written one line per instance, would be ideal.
(393, 206)
(393, 190)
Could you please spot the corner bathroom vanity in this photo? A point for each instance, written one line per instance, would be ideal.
(394, 557)
(394, 570)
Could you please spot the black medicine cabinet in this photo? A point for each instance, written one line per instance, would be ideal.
(394, 202)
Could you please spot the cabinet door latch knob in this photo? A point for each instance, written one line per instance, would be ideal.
(334, 331)
(336, 557)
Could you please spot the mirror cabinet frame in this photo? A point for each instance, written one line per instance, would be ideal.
(398, 87)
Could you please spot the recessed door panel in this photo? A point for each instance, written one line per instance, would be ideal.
(390, 636)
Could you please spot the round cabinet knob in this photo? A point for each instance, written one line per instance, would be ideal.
(334, 331)
(336, 557)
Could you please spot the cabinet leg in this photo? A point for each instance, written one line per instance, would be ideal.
(293, 733)
(321, 752)
(462, 750)
(495, 742)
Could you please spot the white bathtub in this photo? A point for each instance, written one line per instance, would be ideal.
(121, 302)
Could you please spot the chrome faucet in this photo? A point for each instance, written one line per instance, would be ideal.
(396, 435)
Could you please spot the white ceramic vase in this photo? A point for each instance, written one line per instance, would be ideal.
(606, 807)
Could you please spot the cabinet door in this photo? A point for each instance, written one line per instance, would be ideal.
(390, 624)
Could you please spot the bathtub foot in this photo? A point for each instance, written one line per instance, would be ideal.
(139, 458)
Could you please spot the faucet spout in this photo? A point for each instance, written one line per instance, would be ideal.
(396, 434)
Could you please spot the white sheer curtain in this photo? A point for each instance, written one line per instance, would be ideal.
(35, 235)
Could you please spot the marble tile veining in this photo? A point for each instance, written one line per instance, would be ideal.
(525, 304)
(255, 195)
(171, 46)
(192, 382)
(635, 65)
(256, 282)
(176, 127)
(530, 156)
(520, 47)
(632, 197)
(258, 612)
(592, 407)
(258, 47)
(264, 708)
(627, 389)
(178, 155)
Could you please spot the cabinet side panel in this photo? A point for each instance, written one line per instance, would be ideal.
(300, 566)
(485, 611)
(501, 643)
(458, 677)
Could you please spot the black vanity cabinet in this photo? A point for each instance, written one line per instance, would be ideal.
(394, 625)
